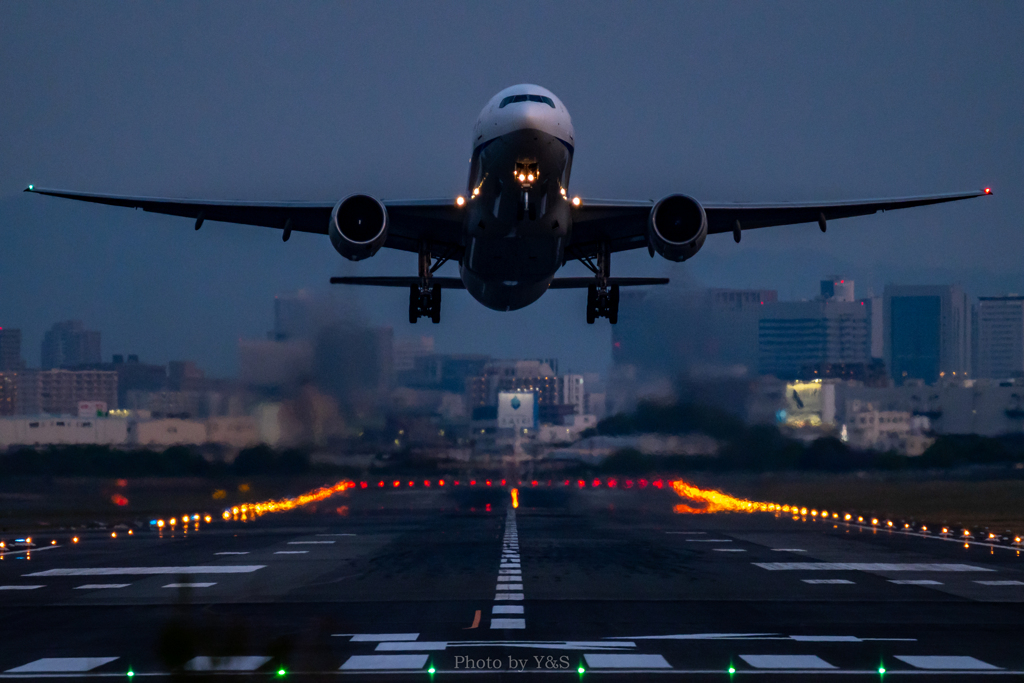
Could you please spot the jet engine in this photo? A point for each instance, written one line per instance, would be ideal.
(358, 227)
(677, 227)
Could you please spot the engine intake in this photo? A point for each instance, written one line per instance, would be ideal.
(358, 227)
(677, 227)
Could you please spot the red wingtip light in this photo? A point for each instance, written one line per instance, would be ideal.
(988, 190)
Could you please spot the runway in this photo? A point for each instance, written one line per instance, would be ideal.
(390, 585)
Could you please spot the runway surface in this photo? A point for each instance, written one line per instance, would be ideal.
(388, 585)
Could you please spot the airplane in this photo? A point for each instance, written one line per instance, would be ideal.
(517, 224)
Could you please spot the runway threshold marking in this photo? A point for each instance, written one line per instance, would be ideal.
(100, 586)
(729, 550)
(61, 665)
(709, 540)
(233, 552)
(1001, 583)
(827, 581)
(687, 533)
(310, 542)
(786, 662)
(630, 661)
(384, 662)
(915, 582)
(505, 609)
(406, 645)
(378, 637)
(21, 588)
(127, 571)
(190, 585)
(291, 552)
(946, 663)
(870, 566)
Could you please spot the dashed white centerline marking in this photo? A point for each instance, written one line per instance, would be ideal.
(336, 534)
(709, 540)
(603, 661)
(291, 552)
(509, 587)
(509, 578)
(233, 552)
(98, 586)
(20, 588)
(826, 639)
(384, 662)
(946, 662)
(406, 645)
(518, 597)
(687, 533)
(827, 581)
(786, 662)
(508, 623)
(190, 585)
(788, 550)
(61, 665)
(507, 609)
(729, 550)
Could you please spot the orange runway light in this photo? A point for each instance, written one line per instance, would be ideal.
(515, 498)
(709, 500)
(75, 539)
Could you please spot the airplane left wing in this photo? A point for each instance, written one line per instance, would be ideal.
(622, 225)
(412, 223)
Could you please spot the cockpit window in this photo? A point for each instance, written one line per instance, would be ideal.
(527, 98)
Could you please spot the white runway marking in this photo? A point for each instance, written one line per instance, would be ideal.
(729, 550)
(515, 597)
(709, 540)
(786, 662)
(508, 623)
(510, 572)
(61, 665)
(687, 533)
(225, 663)
(126, 571)
(384, 662)
(869, 567)
(915, 582)
(189, 585)
(98, 586)
(949, 663)
(233, 552)
(702, 636)
(603, 661)
(507, 609)
(826, 581)
(20, 588)
(291, 552)
(826, 639)
(510, 578)
(336, 534)
(380, 637)
(406, 645)
(509, 587)
(788, 550)
(1001, 583)
(311, 542)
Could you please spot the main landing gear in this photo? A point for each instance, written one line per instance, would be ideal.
(602, 298)
(425, 298)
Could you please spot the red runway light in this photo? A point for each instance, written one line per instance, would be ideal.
(363, 484)
(426, 482)
(643, 483)
(629, 483)
(612, 483)
(410, 483)
(657, 483)
(397, 483)
(488, 482)
(502, 482)
(566, 483)
(488, 507)
(533, 483)
(441, 483)
(581, 483)
(457, 482)
(472, 482)
(380, 484)
(597, 482)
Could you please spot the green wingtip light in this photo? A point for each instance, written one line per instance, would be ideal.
(31, 187)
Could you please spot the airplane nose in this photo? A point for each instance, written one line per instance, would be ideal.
(527, 115)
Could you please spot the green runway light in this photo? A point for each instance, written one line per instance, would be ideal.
(581, 670)
(281, 672)
(881, 670)
(431, 670)
(130, 673)
(732, 669)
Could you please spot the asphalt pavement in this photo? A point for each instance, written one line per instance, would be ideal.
(399, 585)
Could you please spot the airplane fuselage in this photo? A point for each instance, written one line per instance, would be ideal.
(519, 211)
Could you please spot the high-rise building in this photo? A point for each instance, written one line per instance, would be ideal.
(8, 393)
(927, 332)
(1000, 326)
(10, 350)
(837, 289)
(409, 349)
(68, 344)
(59, 391)
(794, 335)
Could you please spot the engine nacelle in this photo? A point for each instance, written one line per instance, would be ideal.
(677, 227)
(358, 227)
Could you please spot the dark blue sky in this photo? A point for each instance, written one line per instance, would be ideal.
(254, 100)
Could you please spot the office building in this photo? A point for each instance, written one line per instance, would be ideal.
(793, 336)
(10, 350)
(1000, 334)
(927, 332)
(58, 392)
(69, 344)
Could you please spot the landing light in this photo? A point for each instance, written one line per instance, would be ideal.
(460, 200)
(576, 201)
(522, 177)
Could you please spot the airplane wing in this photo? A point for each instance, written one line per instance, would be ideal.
(622, 225)
(411, 222)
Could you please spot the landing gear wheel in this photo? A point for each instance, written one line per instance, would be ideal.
(435, 304)
(591, 304)
(414, 304)
(613, 305)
